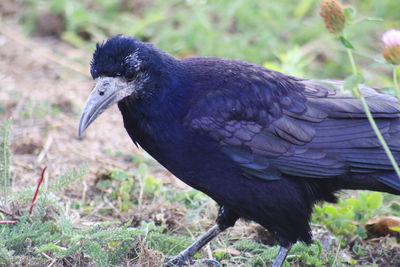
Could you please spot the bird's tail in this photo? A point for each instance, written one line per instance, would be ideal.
(387, 182)
(391, 180)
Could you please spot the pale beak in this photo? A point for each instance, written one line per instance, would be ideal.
(107, 92)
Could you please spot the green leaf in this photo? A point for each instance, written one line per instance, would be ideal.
(361, 232)
(346, 42)
(351, 84)
(302, 9)
(347, 213)
(72, 38)
(395, 229)
(331, 211)
(354, 203)
(142, 169)
(350, 14)
(374, 200)
(47, 247)
(94, 251)
(220, 255)
(317, 210)
(368, 19)
(75, 206)
(119, 175)
(152, 185)
(272, 66)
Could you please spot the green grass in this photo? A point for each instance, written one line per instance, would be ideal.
(286, 35)
(49, 235)
(282, 32)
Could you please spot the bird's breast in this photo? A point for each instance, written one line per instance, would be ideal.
(195, 159)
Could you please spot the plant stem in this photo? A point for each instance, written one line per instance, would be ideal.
(396, 85)
(379, 135)
(37, 190)
(353, 64)
(371, 118)
(5, 160)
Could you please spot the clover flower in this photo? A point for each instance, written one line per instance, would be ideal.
(391, 52)
(333, 15)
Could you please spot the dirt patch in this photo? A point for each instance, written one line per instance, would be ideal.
(49, 24)
(44, 96)
(43, 89)
(8, 7)
(383, 252)
(27, 147)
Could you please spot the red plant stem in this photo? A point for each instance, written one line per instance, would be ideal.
(8, 222)
(37, 190)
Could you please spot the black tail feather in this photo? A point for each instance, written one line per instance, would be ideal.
(387, 182)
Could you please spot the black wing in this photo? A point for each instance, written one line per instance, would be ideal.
(272, 124)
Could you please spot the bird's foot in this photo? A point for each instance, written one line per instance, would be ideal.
(180, 261)
(211, 263)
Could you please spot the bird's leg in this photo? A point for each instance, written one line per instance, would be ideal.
(186, 255)
(282, 254)
(226, 218)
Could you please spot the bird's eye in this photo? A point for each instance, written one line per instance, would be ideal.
(103, 88)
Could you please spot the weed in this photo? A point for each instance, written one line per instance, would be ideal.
(5, 155)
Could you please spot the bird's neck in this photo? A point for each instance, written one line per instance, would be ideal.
(152, 116)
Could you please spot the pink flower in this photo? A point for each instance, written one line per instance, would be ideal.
(391, 52)
(391, 38)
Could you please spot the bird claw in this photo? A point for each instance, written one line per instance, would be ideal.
(181, 260)
(178, 261)
(211, 263)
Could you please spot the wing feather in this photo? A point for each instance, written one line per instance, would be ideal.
(271, 124)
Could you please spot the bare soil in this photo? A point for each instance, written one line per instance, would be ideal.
(44, 84)
(43, 88)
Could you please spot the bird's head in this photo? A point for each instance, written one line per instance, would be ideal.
(121, 68)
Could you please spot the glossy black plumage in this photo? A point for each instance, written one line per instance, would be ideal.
(264, 145)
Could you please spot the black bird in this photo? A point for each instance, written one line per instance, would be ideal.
(265, 146)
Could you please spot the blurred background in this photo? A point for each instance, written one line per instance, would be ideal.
(286, 35)
(45, 52)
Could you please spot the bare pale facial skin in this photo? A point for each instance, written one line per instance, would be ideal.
(107, 92)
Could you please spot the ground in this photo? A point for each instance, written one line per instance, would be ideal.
(44, 83)
(43, 90)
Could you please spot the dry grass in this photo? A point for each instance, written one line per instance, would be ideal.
(44, 100)
(43, 87)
